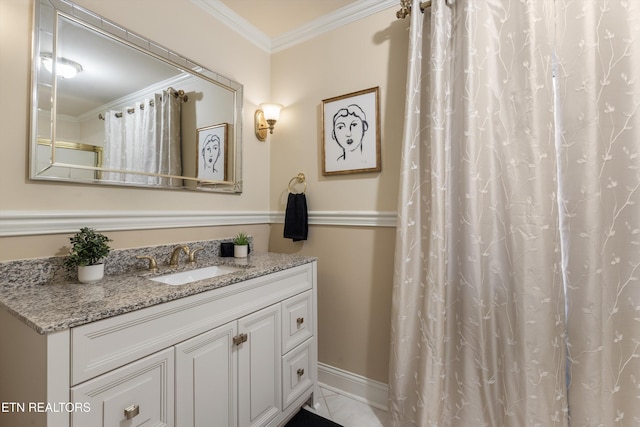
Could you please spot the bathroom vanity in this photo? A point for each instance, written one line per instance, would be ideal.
(239, 348)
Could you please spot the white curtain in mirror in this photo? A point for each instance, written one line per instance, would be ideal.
(516, 297)
(145, 137)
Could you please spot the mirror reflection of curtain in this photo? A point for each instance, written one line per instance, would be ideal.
(145, 138)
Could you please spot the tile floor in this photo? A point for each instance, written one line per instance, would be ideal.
(349, 412)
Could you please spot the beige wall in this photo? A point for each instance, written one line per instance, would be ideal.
(22, 247)
(368, 53)
(355, 267)
(355, 263)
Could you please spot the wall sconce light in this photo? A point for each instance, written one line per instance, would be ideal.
(65, 68)
(265, 119)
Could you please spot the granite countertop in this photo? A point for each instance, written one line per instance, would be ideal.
(57, 306)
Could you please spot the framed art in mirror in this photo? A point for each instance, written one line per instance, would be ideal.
(212, 149)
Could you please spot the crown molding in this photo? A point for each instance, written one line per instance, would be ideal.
(30, 223)
(236, 22)
(343, 16)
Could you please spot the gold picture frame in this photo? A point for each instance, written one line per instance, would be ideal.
(211, 153)
(351, 133)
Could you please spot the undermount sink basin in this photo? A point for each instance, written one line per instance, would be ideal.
(185, 277)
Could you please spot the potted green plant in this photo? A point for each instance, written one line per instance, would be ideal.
(88, 250)
(240, 245)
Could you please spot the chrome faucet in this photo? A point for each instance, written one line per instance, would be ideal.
(175, 255)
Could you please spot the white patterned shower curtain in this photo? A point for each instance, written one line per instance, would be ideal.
(516, 297)
(145, 137)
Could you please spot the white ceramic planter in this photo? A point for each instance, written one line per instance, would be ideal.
(90, 273)
(240, 251)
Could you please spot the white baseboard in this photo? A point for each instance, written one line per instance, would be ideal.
(354, 386)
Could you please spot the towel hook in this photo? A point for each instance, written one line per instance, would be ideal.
(300, 178)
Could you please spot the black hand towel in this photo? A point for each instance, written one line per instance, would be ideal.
(295, 217)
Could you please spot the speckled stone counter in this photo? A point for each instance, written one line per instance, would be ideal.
(49, 301)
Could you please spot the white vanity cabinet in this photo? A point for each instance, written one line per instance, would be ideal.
(271, 353)
(242, 355)
(240, 359)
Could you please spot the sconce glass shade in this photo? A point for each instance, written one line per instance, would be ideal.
(65, 68)
(265, 119)
(271, 111)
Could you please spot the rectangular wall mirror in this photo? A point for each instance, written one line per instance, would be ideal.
(112, 107)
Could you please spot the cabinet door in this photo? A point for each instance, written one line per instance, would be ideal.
(138, 394)
(259, 367)
(206, 372)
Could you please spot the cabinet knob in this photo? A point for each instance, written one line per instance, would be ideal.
(131, 411)
(300, 372)
(239, 339)
(300, 320)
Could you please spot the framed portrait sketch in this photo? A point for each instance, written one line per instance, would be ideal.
(351, 133)
(211, 164)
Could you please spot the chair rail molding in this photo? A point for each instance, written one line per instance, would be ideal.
(25, 223)
(346, 218)
(29, 223)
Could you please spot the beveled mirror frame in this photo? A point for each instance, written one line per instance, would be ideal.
(94, 22)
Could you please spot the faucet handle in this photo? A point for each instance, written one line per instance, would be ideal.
(153, 265)
(192, 255)
(175, 254)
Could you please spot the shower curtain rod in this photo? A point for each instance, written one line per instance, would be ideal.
(179, 94)
(405, 8)
(176, 93)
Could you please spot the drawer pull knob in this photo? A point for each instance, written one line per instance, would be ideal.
(300, 372)
(239, 339)
(300, 320)
(131, 411)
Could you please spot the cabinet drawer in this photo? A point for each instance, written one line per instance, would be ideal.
(297, 320)
(104, 345)
(140, 393)
(296, 373)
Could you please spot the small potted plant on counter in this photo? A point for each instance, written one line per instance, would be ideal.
(240, 245)
(88, 250)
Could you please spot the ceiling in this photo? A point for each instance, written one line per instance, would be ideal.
(276, 17)
(276, 22)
